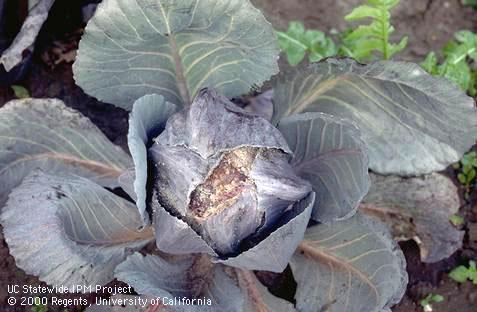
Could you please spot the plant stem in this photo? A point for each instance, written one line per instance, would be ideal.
(385, 33)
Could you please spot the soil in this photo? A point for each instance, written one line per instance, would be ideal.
(428, 24)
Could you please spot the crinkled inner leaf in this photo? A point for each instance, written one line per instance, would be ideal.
(213, 124)
(70, 231)
(329, 153)
(351, 265)
(418, 208)
(412, 123)
(175, 48)
(44, 133)
(192, 143)
(148, 118)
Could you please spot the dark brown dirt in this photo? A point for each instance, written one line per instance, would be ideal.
(427, 23)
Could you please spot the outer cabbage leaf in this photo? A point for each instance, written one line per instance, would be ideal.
(352, 265)
(418, 208)
(126, 182)
(196, 277)
(69, 231)
(44, 133)
(329, 153)
(257, 296)
(191, 277)
(174, 48)
(412, 123)
(147, 119)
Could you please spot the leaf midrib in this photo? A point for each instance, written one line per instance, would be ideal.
(178, 68)
(246, 280)
(146, 234)
(94, 166)
(318, 255)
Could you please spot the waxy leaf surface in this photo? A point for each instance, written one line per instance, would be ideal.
(352, 265)
(231, 290)
(412, 123)
(328, 152)
(147, 119)
(44, 133)
(174, 48)
(191, 277)
(70, 231)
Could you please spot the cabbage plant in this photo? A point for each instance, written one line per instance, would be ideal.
(223, 191)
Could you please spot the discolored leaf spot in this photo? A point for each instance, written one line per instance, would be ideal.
(225, 173)
(222, 188)
(418, 208)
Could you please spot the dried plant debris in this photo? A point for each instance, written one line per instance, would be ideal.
(25, 39)
(418, 208)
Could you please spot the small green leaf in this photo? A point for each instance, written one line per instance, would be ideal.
(456, 220)
(297, 41)
(431, 298)
(462, 178)
(430, 63)
(20, 92)
(459, 274)
(363, 12)
(459, 72)
(437, 298)
(362, 42)
(471, 175)
(472, 3)
(458, 55)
